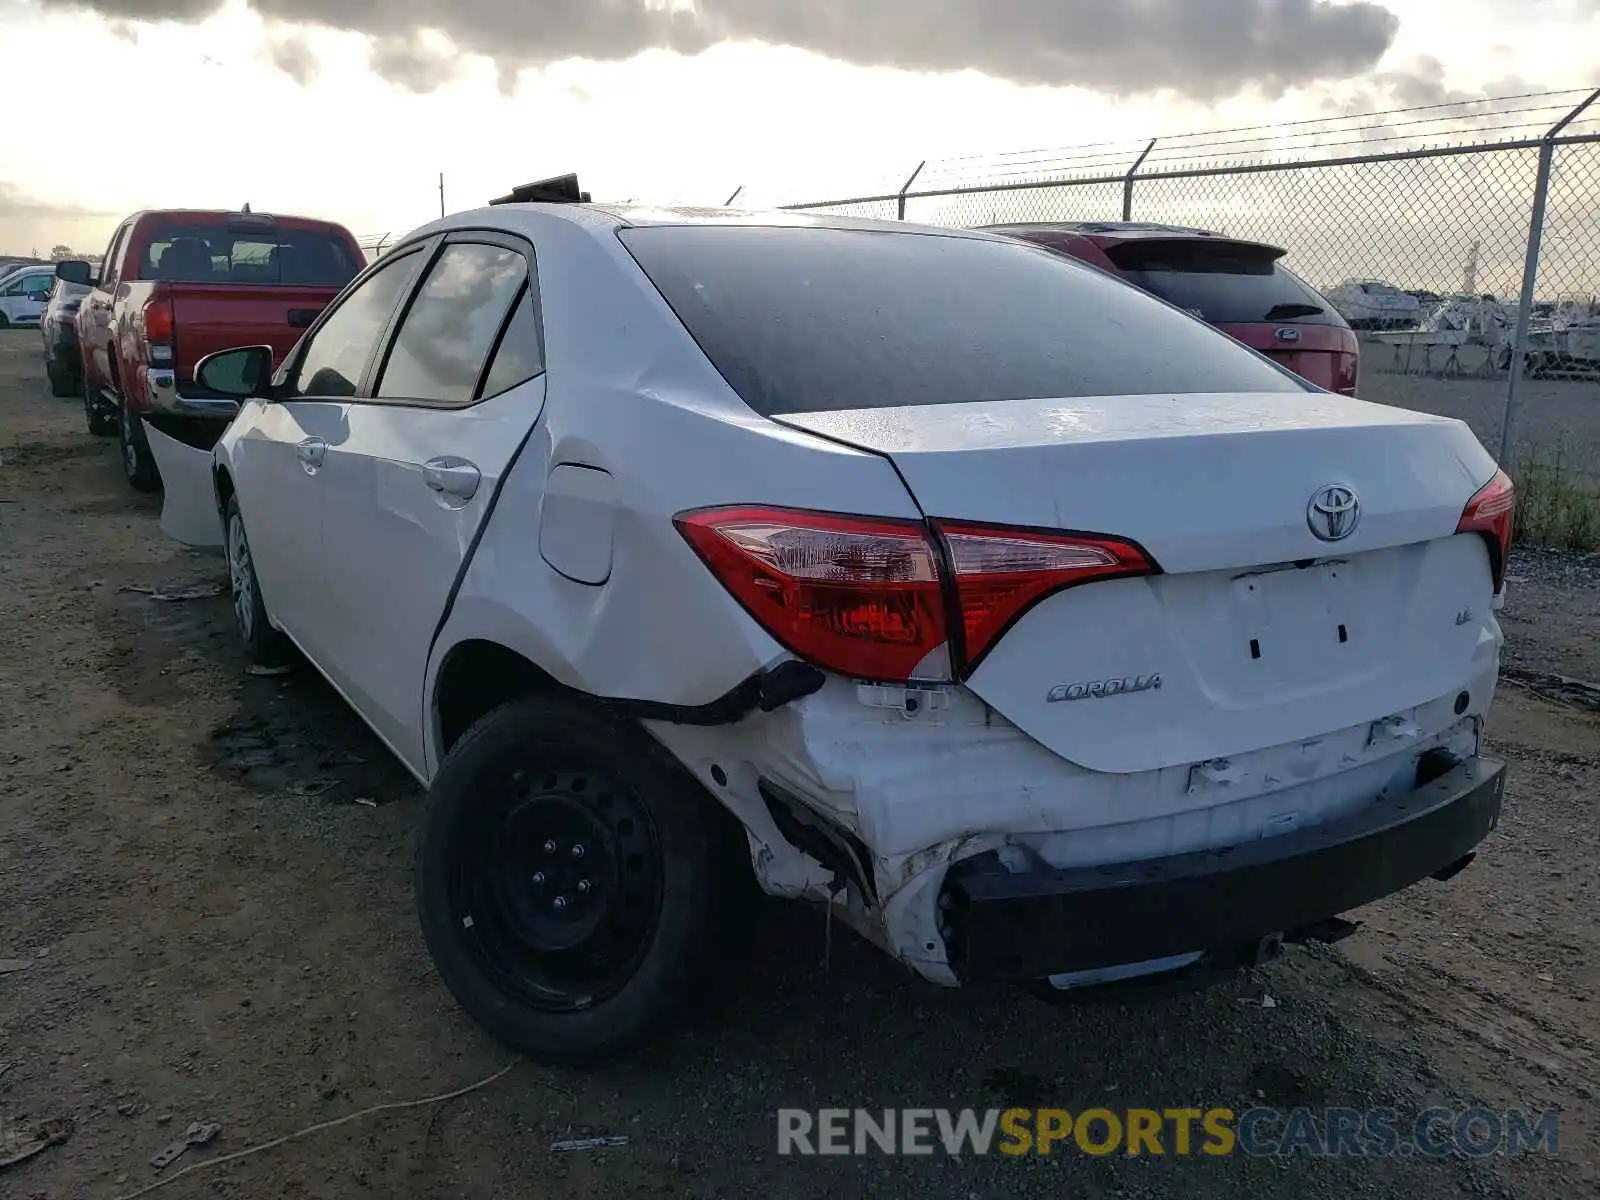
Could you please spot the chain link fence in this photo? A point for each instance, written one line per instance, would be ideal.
(1462, 240)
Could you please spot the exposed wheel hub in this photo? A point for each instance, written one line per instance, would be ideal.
(555, 867)
(562, 881)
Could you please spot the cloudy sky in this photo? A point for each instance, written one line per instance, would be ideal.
(350, 108)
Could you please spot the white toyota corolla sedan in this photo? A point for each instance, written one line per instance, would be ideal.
(1039, 629)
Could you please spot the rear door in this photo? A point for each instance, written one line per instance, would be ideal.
(94, 315)
(411, 476)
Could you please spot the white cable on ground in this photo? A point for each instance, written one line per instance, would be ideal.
(309, 1129)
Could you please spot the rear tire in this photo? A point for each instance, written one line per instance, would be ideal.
(100, 422)
(575, 953)
(265, 646)
(61, 382)
(138, 464)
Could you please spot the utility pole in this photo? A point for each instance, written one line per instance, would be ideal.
(441, 193)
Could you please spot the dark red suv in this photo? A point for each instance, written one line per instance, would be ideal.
(1238, 286)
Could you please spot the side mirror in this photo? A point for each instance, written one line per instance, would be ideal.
(75, 270)
(244, 373)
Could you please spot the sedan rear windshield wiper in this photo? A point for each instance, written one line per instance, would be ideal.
(1282, 312)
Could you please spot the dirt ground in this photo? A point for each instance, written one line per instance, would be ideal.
(201, 921)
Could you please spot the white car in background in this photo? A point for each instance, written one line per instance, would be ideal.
(23, 295)
(884, 561)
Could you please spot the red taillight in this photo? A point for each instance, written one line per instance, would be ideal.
(857, 595)
(158, 320)
(865, 596)
(158, 327)
(1489, 513)
(1347, 366)
(1001, 573)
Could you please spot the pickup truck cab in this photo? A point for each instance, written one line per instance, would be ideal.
(177, 285)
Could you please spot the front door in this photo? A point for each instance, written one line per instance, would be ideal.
(281, 454)
(412, 477)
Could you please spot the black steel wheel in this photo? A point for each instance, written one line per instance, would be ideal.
(561, 873)
(563, 879)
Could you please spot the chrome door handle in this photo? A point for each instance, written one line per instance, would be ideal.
(310, 453)
(452, 476)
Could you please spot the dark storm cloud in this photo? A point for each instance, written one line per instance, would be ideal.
(293, 56)
(410, 63)
(1200, 48)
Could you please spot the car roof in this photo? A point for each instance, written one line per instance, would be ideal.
(608, 217)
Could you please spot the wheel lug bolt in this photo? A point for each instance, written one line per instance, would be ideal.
(577, 850)
(583, 887)
(550, 847)
(538, 879)
(560, 903)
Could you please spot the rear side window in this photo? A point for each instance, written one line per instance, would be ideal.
(520, 356)
(255, 253)
(447, 334)
(1223, 282)
(802, 319)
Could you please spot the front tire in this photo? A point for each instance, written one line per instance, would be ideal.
(61, 384)
(563, 880)
(138, 464)
(265, 645)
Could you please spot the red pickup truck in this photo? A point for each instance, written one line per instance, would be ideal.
(177, 285)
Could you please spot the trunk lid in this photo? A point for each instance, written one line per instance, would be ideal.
(1260, 632)
(1319, 353)
(208, 317)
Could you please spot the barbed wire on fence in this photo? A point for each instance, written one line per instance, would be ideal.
(1462, 237)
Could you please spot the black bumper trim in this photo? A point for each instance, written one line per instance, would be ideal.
(1046, 921)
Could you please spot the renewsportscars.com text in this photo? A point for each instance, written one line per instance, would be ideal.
(1258, 1132)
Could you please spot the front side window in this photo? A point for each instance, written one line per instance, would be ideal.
(336, 356)
(108, 268)
(447, 333)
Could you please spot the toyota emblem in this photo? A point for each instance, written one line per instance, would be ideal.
(1334, 512)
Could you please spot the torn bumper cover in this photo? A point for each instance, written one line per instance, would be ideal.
(189, 497)
(1043, 921)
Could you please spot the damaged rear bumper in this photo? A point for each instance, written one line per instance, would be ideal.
(1027, 925)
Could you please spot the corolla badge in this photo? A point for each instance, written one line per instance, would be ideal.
(1287, 333)
(1334, 512)
(1099, 689)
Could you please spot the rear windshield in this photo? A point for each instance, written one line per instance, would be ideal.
(802, 319)
(1226, 283)
(250, 253)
